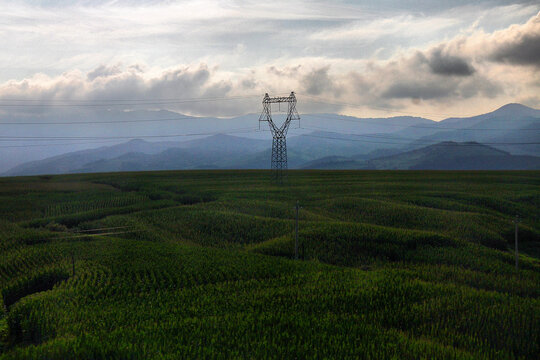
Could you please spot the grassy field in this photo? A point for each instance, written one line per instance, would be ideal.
(200, 264)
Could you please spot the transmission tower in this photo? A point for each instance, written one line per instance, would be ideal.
(279, 134)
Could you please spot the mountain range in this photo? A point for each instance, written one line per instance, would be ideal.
(442, 156)
(507, 138)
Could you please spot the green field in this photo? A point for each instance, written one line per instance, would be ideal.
(200, 264)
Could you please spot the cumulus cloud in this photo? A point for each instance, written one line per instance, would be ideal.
(445, 71)
(288, 71)
(318, 81)
(129, 85)
(519, 44)
(413, 78)
(472, 66)
(103, 71)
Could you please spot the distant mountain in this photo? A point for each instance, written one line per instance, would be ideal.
(350, 124)
(522, 141)
(441, 156)
(456, 156)
(512, 123)
(217, 151)
(72, 162)
(319, 144)
(354, 143)
(508, 111)
(509, 124)
(86, 123)
(226, 144)
(214, 152)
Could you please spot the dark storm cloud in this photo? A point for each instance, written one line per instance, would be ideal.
(418, 90)
(407, 80)
(524, 51)
(450, 65)
(519, 45)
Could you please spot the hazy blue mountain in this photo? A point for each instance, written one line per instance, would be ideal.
(170, 159)
(354, 125)
(211, 152)
(71, 162)
(226, 143)
(507, 111)
(89, 122)
(495, 129)
(319, 144)
(510, 123)
(107, 123)
(456, 156)
(241, 157)
(528, 136)
(441, 156)
(357, 139)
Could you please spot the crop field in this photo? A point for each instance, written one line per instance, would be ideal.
(201, 264)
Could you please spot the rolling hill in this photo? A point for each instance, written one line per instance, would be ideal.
(190, 265)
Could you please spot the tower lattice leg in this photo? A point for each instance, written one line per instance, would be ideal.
(279, 133)
(279, 157)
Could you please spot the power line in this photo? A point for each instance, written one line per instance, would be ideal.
(242, 130)
(135, 100)
(63, 144)
(421, 140)
(115, 102)
(380, 136)
(128, 100)
(97, 122)
(317, 99)
(434, 127)
(233, 97)
(33, 138)
(342, 118)
(443, 143)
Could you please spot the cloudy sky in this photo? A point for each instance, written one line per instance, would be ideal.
(366, 58)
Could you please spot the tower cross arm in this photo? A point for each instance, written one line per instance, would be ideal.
(279, 99)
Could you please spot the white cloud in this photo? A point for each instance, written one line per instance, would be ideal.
(403, 59)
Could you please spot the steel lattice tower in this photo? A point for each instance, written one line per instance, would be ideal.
(279, 134)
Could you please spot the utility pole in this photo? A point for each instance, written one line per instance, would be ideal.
(296, 232)
(279, 133)
(516, 222)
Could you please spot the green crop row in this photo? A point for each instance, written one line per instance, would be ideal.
(199, 264)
